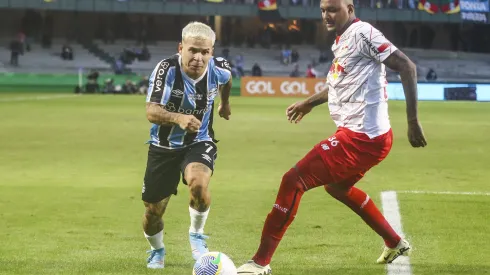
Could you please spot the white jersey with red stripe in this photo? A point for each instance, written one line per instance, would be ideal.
(357, 96)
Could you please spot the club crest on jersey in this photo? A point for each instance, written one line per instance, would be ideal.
(336, 69)
(195, 97)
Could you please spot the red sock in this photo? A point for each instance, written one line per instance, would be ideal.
(281, 216)
(360, 203)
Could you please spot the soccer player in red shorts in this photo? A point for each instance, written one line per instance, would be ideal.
(356, 94)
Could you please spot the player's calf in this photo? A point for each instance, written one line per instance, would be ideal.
(153, 231)
(197, 176)
(152, 219)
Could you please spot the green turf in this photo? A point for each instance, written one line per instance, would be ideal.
(71, 172)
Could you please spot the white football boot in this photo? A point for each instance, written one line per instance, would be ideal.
(390, 254)
(251, 268)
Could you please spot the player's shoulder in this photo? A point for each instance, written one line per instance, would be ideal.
(168, 62)
(221, 62)
(365, 29)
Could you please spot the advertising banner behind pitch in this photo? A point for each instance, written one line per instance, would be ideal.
(281, 86)
(304, 87)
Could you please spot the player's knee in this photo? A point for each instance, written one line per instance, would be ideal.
(154, 210)
(291, 179)
(337, 190)
(197, 185)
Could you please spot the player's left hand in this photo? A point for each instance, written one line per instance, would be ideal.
(224, 111)
(416, 134)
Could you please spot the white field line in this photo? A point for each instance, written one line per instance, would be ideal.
(391, 210)
(445, 193)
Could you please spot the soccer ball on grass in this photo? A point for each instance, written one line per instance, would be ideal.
(214, 263)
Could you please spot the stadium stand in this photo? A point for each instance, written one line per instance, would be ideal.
(450, 66)
(48, 60)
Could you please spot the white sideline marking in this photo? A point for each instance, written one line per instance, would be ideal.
(446, 193)
(391, 210)
(14, 99)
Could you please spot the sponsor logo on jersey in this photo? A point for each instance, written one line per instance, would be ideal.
(195, 97)
(159, 76)
(172, 108)
(369, 44)
(177, 93)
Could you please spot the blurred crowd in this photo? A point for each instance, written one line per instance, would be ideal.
(111, 86)
(398, 4)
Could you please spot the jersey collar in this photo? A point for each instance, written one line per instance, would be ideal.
(338, 36)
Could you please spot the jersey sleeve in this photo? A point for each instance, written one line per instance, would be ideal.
(158, 91)
(373, 44)
(223, 70)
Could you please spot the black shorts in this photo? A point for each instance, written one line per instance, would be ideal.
(164, 167)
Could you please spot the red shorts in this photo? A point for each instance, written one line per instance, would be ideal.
(343, 158)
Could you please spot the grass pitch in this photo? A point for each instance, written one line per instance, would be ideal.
(71, 171)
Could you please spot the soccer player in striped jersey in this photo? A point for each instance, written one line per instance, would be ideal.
(180, 104)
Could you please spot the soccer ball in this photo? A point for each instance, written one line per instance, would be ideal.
(214, 263)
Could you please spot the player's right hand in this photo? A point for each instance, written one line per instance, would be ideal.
(189, 123)
(297, 111)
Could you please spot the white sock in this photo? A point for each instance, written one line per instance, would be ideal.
(155, 241)
(198, 220)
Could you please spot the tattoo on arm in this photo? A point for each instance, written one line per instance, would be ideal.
(400, 63)
(318, 99)
(155, 113)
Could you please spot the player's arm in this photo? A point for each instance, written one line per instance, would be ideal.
(319, 98)
(155, 113)
(225, 91)
(298, 110)
(400, 63)
(373, 44)
(223, 71)
(157, 98)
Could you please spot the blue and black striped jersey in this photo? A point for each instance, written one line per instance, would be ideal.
(177, 92)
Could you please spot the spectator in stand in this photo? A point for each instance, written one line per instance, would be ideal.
(256, 70)
(240, 63)
(295, 72)
(431, 75)
(119, 66)
(294, 56)
(311, 72)
(66, 52)
(226, 53)
(234, 71)
(144, 54)
(16, 49)
(285, 55)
